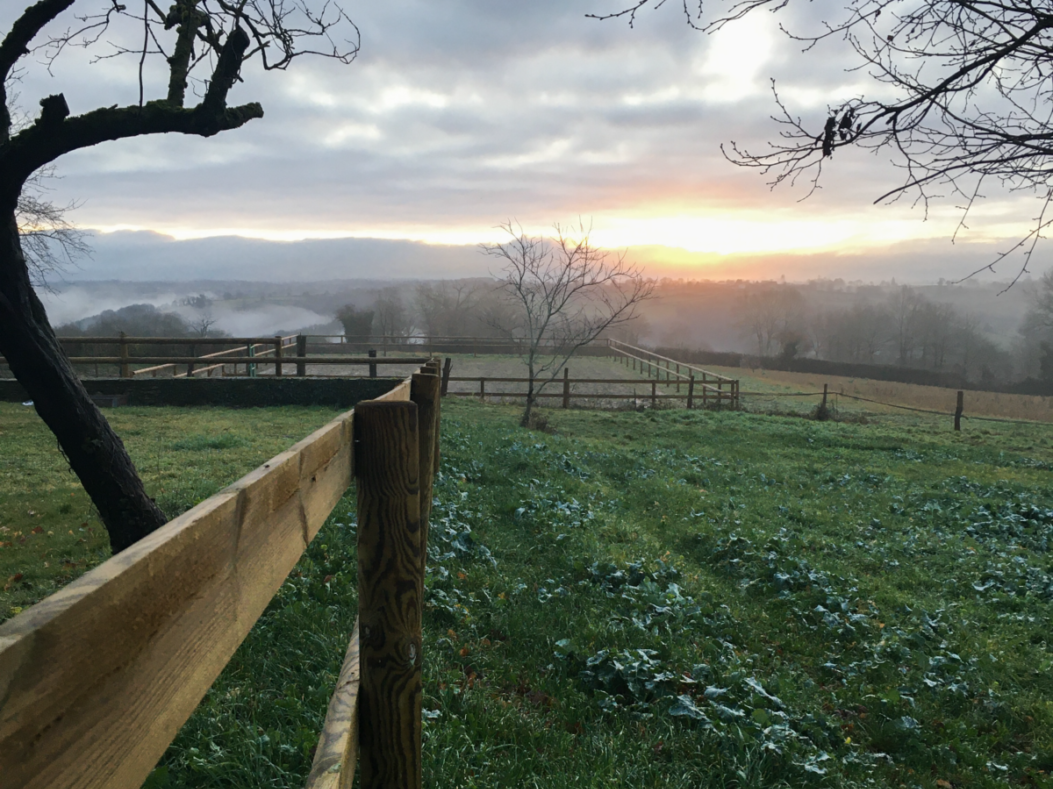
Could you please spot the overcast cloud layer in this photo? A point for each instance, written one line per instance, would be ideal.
(459, 115)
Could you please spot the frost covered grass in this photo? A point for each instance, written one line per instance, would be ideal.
(49, 531)
(679, 599)
(656, 599)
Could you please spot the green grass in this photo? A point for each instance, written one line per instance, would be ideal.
(49, 531)
(686, 599)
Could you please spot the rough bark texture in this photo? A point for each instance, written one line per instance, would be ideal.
(95, 453)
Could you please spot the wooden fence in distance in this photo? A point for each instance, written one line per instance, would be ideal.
(711, 386)
(694, 396)
(96, 680)
(246, 355)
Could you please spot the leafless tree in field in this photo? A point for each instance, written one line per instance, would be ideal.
(966, 99)
(197, 48)
(565, 293)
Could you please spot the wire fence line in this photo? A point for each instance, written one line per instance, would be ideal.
(963, 415)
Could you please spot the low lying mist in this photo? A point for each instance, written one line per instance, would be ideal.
(972, 330)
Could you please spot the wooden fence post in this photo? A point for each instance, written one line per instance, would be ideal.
(690, 391)
(424, 391)
(566, 387)
(958, 410)
(482, 388)
(125, 370)
(654, 394)
(823, 406)
(278, 356)
(250, 368)
(678, 377)
(705, 394)
(372, 353)
(190, 366)
(301, 351)
(390, 562)
(446, 376)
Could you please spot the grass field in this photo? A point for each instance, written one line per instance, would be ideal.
(767, 387)
(991, 404)
(49, 532)
(682, 599)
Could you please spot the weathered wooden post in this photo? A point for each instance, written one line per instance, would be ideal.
(482, 388)
(705, 394)
(437, 369)
(678, 377)
(566, 387)
(823, 407)
(125, 369)
(372, 353)
(690, 391)
(190, 366)
(446, 376)
(278, 356)
(250, 368)
(958, 410)
(654, 394)
(424, 392)
(390, 580)
(301, 352)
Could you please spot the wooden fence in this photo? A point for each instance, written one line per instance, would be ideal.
(720, 389)
(246, 355)
(694, 395)
(96, 680)
(446, 344)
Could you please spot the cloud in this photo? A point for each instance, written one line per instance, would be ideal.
(461, 114)
(144, 257)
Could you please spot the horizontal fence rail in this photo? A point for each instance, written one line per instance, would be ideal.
(97, 679)
(272, 360)
(694, 376)
(695, 393)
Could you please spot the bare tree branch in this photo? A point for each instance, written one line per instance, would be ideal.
(50, 243)
(566, 293)
(970, 87)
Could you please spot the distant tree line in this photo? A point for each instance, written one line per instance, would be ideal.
(899, 328)
(140, 320)
(447, 308)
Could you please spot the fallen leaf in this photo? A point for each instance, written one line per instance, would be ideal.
(38, 530)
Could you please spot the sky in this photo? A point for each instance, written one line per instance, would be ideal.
(460, 115)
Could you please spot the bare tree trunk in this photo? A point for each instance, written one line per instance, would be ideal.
(525, 421)
(95, 453)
